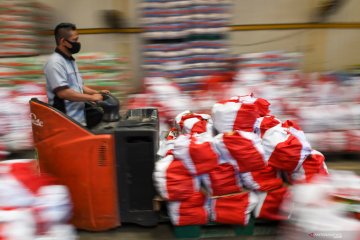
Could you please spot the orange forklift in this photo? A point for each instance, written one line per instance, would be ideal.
(108, 169)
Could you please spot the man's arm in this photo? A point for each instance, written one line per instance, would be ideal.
(74, 96)
(91, 91)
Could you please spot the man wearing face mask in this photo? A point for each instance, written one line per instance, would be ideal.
(64, 86)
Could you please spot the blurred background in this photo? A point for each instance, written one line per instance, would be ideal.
(302, 56)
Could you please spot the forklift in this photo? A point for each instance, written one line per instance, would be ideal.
(107, 169)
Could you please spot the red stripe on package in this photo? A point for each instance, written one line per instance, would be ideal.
(291, 124)
(261, 103)
(233, 209)
(173, 180)
(269, 206)
(284, 150)
(266, 179)
(313, 165)
(24, 171)
(232, 115)
(192, 211)
(190, 123)
(265, 123)
(243, 149)
(223, 180)
(197, 152)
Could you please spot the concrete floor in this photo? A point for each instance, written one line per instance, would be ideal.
(161, 232)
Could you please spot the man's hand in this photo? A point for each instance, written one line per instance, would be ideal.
(105, 91)
(91, 91)
(96, 97)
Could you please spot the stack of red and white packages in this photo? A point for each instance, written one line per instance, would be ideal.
(32, 206)
(225, 167)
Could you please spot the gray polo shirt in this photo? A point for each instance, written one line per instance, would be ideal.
(62, 72)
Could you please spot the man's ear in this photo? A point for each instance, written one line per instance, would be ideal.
(63, 42)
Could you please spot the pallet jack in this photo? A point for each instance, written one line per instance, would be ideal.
(108, 169)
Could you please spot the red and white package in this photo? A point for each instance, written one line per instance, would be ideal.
(242, 149)
(313, 165)
(192, 211)
(222, 180)
(285, 150)
(173, 180)
(233, 209)
(20, 183)
(189, 123)
(261, 103)
(266, 179)
(52, 206)
(263, 124)
(269, 206)
(197, 152)
(22, 187)
(166, 147)
(17, 224)
(232, 115)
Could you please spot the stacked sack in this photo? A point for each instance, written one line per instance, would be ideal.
(32, 206)
(225, 167)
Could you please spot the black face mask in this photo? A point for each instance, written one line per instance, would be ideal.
(76, 46)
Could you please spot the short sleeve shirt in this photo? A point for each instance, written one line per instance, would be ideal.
(61, 71)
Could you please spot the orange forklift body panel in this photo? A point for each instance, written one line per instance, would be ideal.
(81, 160)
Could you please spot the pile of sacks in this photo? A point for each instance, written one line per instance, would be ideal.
(225, 167)
(15, 122)
(32, 206)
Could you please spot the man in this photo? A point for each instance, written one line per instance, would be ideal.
(64, 86)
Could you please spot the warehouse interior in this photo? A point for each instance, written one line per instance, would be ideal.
(220, 119)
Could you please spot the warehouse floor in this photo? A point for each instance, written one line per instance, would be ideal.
(161, 232)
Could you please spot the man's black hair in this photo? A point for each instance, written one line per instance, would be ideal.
(63, 30)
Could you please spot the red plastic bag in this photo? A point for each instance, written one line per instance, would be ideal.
(261, 103)
(291, 124)
(197, 152)
(269, 206)
(223, 180)
(285, 150)
(190, 123)
(243, 149)
(232, 115)
(263, 124)
(191, 211)
(233, 209)
(173, 180)
(313, 165)
(266, 179)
